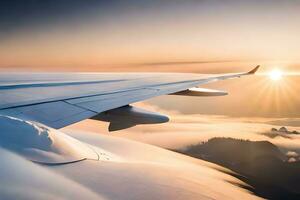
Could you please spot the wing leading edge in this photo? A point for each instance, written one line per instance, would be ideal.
(59, 103)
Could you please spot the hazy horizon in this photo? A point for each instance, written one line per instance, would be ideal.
(124, 36)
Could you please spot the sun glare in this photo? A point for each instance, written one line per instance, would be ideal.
(275, 75)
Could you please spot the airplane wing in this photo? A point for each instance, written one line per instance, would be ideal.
(58, 100)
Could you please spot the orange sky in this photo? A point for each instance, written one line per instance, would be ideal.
(116, 36)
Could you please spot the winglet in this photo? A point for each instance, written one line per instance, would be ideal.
(254, 70)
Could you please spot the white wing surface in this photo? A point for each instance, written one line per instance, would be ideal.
(58, 100)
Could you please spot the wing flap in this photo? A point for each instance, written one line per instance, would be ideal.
(201, 92)
(55, 114)
(101, 103)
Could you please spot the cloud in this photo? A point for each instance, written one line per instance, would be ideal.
(286, 122)
(292, 160)
(146, 169)
(40, 143)
(292, 154)
(26, 180)
(187, 129)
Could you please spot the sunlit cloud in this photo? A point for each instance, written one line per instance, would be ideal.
(184, 130)
(26, 180)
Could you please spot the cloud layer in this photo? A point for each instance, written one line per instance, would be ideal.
(184, 129)
(40, 143)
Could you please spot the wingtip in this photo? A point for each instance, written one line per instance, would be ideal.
(253, 71)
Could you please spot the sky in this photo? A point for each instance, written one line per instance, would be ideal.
(99, 35)
(199, 36)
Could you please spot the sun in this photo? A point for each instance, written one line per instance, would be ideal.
(275, 75)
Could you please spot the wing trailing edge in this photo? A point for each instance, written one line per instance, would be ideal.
(201, 92)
